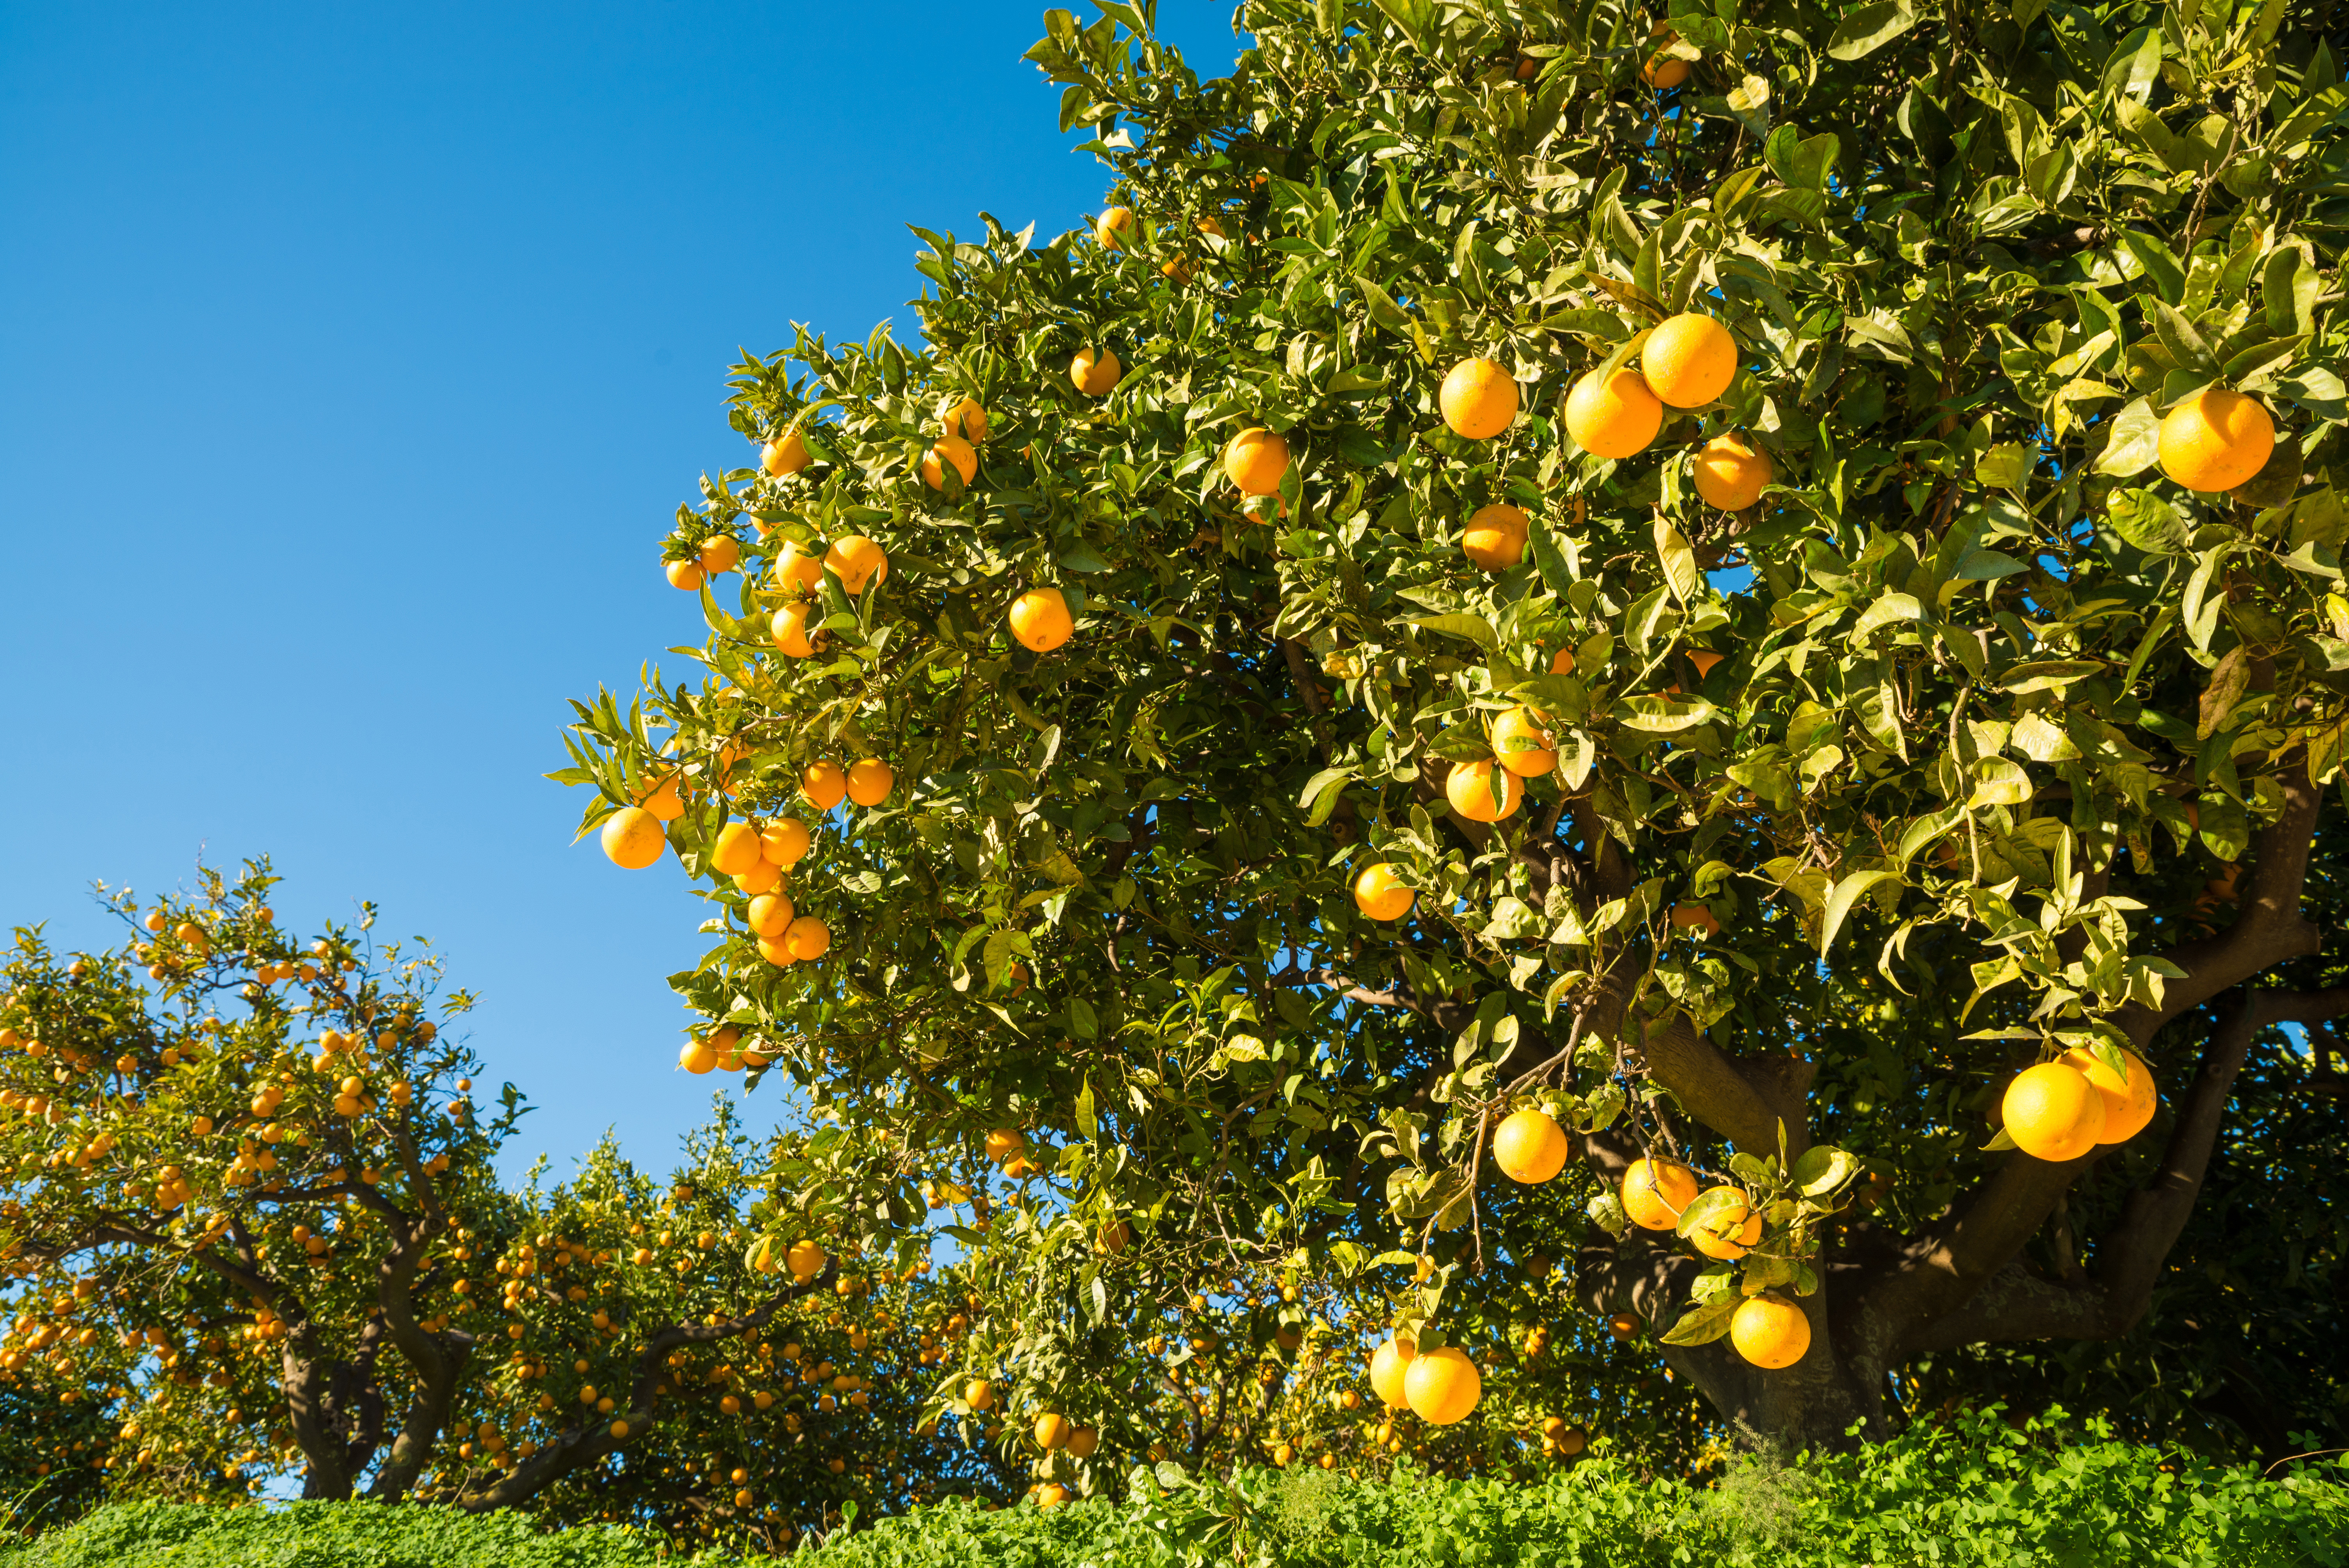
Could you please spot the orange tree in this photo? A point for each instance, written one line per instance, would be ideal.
(1744, 601)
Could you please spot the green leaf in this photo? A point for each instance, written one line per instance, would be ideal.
(1867, 29)
(1998, 782)
(1821, 1169)
(2161, 268)
(1474, 628)
(1703, 1325)
(1679, 562)
(1847, 894)
(1663, 715)
(1888, 609)
(2148, 521)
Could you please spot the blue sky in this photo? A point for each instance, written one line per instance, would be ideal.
(353, 361)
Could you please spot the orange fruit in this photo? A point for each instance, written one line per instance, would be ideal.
(1389, 1365)
(661, 799)
(685, 575)
(632, 838)
(1441, 1386)
(1003, 1143)
(776, 949)
(1614, 419)
(1695, 917)
(1529, 1147)
(822, 785)
(1770, 1331)
(856, 561)
(1051, 1431)
(784, 841)
(1730, 473)
(736, 851)
(1083, 1441)
(1255, 460)
(1655, 1192)
(808, 938)
(763, 876)
(720, 552)
(1051, 1494)
(1623, 1325)
(2053, 1112)
(963, 417)
(786, 454)
(1688, 360)
(979, 1394)
(1730, 1233)
(870, 781)
(1662, 71)
(789, 628)
(1703, 659)
(697, 1057)
(1039, 619)
(1379, 895)
(1478, 398)
(770, 913)
(1522, 745)
(2215, 440)
(797, 571)
(804, 1259)
(1470, 788)
(948, 450)
(1095, 371)
(2128, 1102)
(1496, 536)
(1562, 664)
(1110, 230)
(1178, 269)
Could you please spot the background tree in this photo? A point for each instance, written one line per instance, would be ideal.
(1801, 541)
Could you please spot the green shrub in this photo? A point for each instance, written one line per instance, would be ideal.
(323, 1535)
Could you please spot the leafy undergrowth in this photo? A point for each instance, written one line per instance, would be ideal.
(1976, 1493)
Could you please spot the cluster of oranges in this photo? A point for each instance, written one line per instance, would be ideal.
(1440, 1387)
(2059, 1110)
(1767, 1330)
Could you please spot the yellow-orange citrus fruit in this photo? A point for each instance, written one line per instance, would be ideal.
(856, 561)
(662, 800)
(944, 450)
(1470, 788)
(2128, 1102)
(789, 628)
(770, 914)
(1523, 745)
(797, 571)
(1051, 1431)
(963, 417)
(1179, 269)
(1051, 1494)
(1003, 1143)
(1656, 1191)
(822, 785)
(808, 938)
(697, 1057)
(1730, 1231)
(2215, 440)
(1496, 536)
(1255, 460)
(1441, 1386)
(1083, 1441)
(1041, 620)
(1613, 418)
(979, 1394)
(804, 1259)
(1095, 371)
(1623, 1325)
(1688, 360)
(870, 781)
(1563, 662)
(1389, 1365)
(685, 575)
(1703, 659)
(1695, 917)
(1379, 894)
(1770, 1331)
(763, 876)
(1730, 473)
(784, 841)
(2053, 1112)
(1110, 230)
(1529, 1147)
(777, 950)
(720, 552)
(632, 838)
(786, 454)
(1662, 71)
(736, 851)
(1479, 398)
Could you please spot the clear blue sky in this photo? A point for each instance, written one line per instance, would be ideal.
(352, 361)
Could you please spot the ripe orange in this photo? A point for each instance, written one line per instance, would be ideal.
(1562, 664)
(2215, 440)
(661, 799)
(1614, 419)
(822, 785)
(1441, 1386)
(2128, 1103)
(720, 552)
(1656, 1191)
(770, 913)
(1110, 230)
(1379, 895)
(1051, 1494)
(1529, 1148)
(685, 575)
(1051, 1431)
(1729, 1233)
(870, 781)
(1083, 1441)
(979, 1394)
(784, 841)
(1003, 1144)
(1729, 473)
(786, 454)
(697, 1057)
(1389, 1365)
(736, 851)
(1695, 917)
(2053, 1112)
(1179, 269)
(1688, 360)
(1479, 398)
(763, 876)
(632, 838)
(1522, 745)
(1471, 786)
(804, 1259)
(808, 938)
(1662, 71)
(1496, 537)
(790, 630)
(1770, 1331)
(856, 561)
(948, 450)
(797, 571)
(1623, 1325)
(1095, 371)
(1255, 460)
(1041, 620)
(1703, 659)
(777, 951)
(963, 417)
